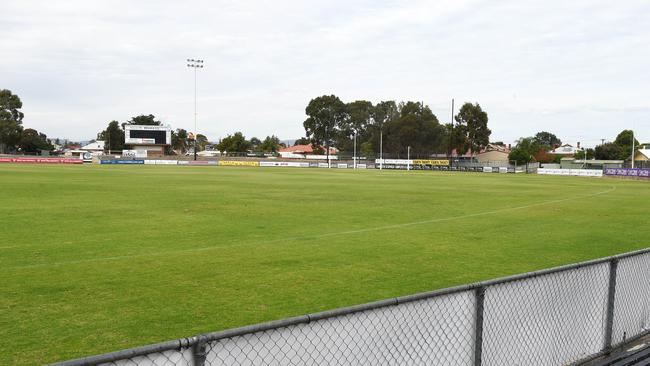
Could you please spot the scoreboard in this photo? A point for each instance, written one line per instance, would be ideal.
(147, 135)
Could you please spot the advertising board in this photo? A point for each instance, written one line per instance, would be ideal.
(293, 164)
(571, 172)
(238, 163)
(623, 172)
(122, 162)
(28, 160)
(431, 162)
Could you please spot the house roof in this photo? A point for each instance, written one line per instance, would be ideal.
(97, 145)
(304, 149)
(488, 148)
(644, 152)
(565, 149)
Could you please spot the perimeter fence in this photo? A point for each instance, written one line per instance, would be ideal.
(560, 316)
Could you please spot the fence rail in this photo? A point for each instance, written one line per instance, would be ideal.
(559, 316)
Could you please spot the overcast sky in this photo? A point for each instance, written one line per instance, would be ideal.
(579, 69)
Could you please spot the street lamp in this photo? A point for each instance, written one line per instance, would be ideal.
(195, 64)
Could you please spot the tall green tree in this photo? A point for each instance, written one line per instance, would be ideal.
(255, 143)
(525, 150)
(416, 127)
(302, 141)
(271, 144)
(235, 143)
(201, 141)
(10, 120)
(547, 140)
(325, 115)
(624, 140)
(472, 123)
(113, 137)
(31, 141)
(382, 113)
(180, 141)
(359, 120)
(608, 151)
(145, 120)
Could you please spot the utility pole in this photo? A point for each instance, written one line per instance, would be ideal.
(195, 64)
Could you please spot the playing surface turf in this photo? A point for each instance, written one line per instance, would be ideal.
(99, 258)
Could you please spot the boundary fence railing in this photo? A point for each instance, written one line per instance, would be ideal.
(560, 316)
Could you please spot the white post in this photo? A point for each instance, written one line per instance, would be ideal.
(381, 149)
(354, 162)
(633, 146)
(408, 158)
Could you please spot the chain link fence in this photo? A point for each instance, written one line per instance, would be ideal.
(561, 316)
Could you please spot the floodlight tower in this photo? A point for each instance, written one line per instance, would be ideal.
(195, 64)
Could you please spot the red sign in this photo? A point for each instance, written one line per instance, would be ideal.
(41, 160)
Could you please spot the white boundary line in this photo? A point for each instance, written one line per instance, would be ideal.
(315, 236)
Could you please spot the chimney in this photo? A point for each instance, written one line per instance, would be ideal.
(578, 144)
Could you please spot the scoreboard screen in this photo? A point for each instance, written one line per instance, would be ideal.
(147, 135)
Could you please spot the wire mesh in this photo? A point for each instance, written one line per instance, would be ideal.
(436, 331)
(553, 319)
(556, 317)
(181, 357)
(632, 300)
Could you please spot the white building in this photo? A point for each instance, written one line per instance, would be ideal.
(565, 150)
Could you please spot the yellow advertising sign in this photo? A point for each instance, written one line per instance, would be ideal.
(431, 162)
(238, 163)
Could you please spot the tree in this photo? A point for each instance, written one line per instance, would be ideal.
(234, 143)
(382, 113)
(145, 120)
(113, 137)
(326, 114)
(525, 151)
(624, 140)
(302, 141)
(201, 141)
(10, 120)
(255, 143)
(547, 140)
(31, 141)
(416, 127)
(608, 151)
(473, 121)
(359, 118)
(180, 140)
(580, 154)
(271, 144)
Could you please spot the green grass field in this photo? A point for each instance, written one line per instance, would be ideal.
(99, 258)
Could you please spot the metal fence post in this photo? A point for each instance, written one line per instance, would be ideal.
(199, 351)
(478, 330)
(611, 295)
